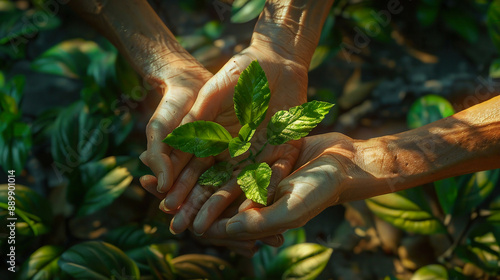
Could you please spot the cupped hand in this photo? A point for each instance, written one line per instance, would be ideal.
(288, 85)
(180, 85)
(319, 181)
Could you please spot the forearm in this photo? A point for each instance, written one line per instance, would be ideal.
(139, 34)
(466, 142)
(291, 28)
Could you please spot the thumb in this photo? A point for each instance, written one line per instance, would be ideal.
(257, 223)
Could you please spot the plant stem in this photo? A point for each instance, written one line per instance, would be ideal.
(261, 149)
(445, 257)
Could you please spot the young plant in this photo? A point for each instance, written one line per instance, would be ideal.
(251, 101)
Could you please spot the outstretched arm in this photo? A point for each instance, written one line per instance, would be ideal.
(333, 168)
(139, 34)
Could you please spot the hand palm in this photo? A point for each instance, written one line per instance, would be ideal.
(316, 184)
(288, 84)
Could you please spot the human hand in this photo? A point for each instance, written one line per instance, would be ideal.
(322, 174)
(283, 42)
(220, 237)
(182, 81)
(288, 84)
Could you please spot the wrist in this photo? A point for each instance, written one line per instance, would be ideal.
(141, 37)
(291, 28)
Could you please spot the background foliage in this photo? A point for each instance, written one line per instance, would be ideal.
(73, 117)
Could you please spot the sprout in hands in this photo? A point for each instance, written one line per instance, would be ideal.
(251, 100)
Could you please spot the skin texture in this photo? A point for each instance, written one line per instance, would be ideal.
(284, 41)
(333, 168)
(278, 44)
(329, 169)
(141, 37)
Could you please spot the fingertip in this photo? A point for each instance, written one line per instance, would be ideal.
(143, 157)
(177, 225)
(235, 227)
(199, 226)
(163, 170)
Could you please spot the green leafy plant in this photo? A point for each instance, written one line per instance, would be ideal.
(15, 134)
(295, 259)
(251, 101)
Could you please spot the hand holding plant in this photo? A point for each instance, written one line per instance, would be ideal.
(251, 101)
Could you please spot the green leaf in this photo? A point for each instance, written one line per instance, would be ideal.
(495, 69)
(251, 95)
(321, 53)
(168, 249)
(43, 126)
(494, 207)
(462, 24)
(127, 79)
(32, 210)
(97, 260)
(369, 23)
(158, 266)
(264, 258)
(427, 12)
(301, 261)
(246, 10)
(254, 180)
(482, 251)
(79, 137)
(329, 43)
(196, 266)
(296, 122)
(213, 29)
(70, 58)
(106, 180)
(201, 138)
(217, 175)
(15, 144)
(293, 237)
(239, 145)
(42, 264)
(431, 272)
(427, 109)
(15, 89)
(405, 214)
(493, 22)
(475, 189)
(447, 192)
(16, 23)
(134, 236)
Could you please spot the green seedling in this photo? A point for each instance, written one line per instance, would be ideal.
(251, 101)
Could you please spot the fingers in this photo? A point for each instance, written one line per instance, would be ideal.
(298, 198)
(185, 182)
(149, 183)
(280, 169)
(187, 212)
(215, 206)
(175, 104)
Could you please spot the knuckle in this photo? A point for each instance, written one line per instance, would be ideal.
(153, 126)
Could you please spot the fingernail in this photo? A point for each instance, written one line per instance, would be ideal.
(161, 181)
(172, 231)
(170, 227)
(198, 234)
(235, 227)
(163, 207)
